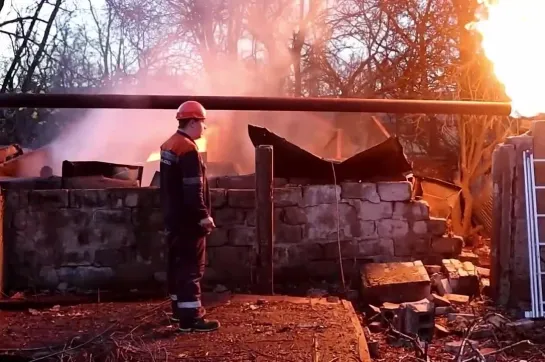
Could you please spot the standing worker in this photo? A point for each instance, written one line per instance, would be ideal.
(185, 199)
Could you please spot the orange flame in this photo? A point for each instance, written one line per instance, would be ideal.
(154, 156)
(511, 34)
(201, 146)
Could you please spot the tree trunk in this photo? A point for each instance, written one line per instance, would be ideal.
(16, 57)
(37, 58)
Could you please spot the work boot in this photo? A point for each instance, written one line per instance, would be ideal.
(199, 325)
(174, 315)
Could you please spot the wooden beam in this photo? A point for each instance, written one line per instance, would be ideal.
(264, 217)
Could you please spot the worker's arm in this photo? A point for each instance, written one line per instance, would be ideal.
(193, 186)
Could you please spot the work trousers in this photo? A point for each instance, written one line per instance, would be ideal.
(185, 269)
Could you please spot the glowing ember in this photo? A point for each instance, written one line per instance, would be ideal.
(511, 31)
(201, 146)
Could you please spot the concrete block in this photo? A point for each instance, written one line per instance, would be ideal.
(373, 212)
(469, 256)
(433, 269)
(218, 197)
(437, 226)
(418, 318)
(394, 191)
(441, 284)
(457, 299)
(388, 228)
(440, 301)
(461, 280)
(483, 272)
(389, 310)
(295, 216)
(244, 199)
(361, 191)
(441, 331)
(394, 282)
(412, 211)
(485, 287)
(447, 245)
(322, 223)
(320, 194)
(443, 310)
(287, 196)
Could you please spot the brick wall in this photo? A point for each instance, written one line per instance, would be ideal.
(99, 238)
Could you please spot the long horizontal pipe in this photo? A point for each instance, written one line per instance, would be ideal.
(130, 101)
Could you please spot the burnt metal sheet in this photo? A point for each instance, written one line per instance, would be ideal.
(440, 195)
(385, 161)
(10, 152)
(29, 164)
(71, 169)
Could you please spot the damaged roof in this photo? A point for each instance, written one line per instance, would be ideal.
(383, 162)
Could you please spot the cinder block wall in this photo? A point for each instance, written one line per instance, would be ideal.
(509, 253)
(101, 238)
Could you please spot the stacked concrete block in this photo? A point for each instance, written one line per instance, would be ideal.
(94, 237)
(462, 277)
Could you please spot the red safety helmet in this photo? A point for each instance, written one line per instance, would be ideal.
(190, 110)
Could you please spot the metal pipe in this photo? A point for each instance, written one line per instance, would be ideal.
(130, 101)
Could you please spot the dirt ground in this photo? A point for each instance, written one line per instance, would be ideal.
(253, 329)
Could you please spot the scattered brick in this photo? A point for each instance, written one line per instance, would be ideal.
(440, 301)
(453, 316)
(457, 298)
(441, 331)
(376, 327)
(443, 310)
(433, 269)
(483, 272)
(468, 256)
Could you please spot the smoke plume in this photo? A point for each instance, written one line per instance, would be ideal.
(129, 136)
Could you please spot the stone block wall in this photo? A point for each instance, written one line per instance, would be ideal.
(510, 282)
(99, 238)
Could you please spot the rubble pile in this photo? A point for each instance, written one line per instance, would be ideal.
(446, 314)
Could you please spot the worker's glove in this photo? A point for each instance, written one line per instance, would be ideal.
(207, 224)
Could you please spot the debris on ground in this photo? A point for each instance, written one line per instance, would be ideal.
(455, 321)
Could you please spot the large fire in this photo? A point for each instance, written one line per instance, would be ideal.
(201, 146)
(511, 32)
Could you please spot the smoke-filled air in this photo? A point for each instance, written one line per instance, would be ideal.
(257, 60)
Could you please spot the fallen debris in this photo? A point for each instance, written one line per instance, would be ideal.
(457, 298)
(395, 282)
